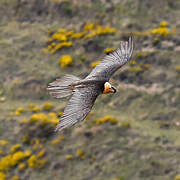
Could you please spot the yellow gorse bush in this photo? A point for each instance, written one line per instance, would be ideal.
(63, 38)
(141, 54)
(21, 166)
(133, 62)
(43, 119)
(57, 140)
(2, 176)
(80, 154)
(177, 177)
(105, 119)
(69, 156)
(15, 148)
(108, 50)
(177, 68)
(19, 111)
(65, 60)
(163, 24)
(47, 106)
(94, 64)
(147, 66)
(35, 162)
(41, 153)
(35, 109)
(12, 160)
(162, 30)
(14, 178)
(136, 69)
(3, 142)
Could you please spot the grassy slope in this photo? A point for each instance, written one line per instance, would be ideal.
(149, 149)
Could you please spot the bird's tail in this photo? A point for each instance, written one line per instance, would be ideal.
(62, 87)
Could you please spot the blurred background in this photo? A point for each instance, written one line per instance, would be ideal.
(133, 134)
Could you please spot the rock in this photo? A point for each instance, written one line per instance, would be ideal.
(167, 44)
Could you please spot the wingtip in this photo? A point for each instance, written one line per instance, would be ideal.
(131, 44)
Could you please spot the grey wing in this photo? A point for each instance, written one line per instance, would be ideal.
(112, 62)
(78, 107)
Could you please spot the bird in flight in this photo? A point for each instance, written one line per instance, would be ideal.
(83, 92)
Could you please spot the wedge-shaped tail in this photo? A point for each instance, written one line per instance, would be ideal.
(62, 87)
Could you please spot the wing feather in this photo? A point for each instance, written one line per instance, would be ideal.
(112, 62)
(78, 106)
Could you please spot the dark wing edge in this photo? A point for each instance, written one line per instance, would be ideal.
(124, 53)
(113, 61)
(77, 108)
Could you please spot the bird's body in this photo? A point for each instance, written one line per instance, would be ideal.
(84, 92)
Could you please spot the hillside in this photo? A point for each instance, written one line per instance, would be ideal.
(133, 134)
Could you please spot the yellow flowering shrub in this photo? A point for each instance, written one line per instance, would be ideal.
(88, 27)
(133, 62)
(42, 119)
(59, 46)
(105, 119)
(47, 106)
(28, 153)
(125, 124)
(80, 154)
(59, 114)
(162, 30)
(5, 163)
(31, 106)
(57, 140)
(41, 153)
(2, 176)
(15, 178)
(141, 54)
(136, 69)
(94, 64)
(63, 38)
(108, 50)
(177, 68)
(147, 66)
(15, 147)
(21, 166)
(36, 163)
(177, 177)
(19, 111)
(26, 139)
(4, 142)
(78, 35)
(17, 157)
(163, 24)
(39, 125)
(35, 109)
(12, 160)
(69, 156)
(65, 60)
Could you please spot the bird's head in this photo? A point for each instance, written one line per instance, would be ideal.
(108, 88)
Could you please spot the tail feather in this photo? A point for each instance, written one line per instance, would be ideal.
(62, 87)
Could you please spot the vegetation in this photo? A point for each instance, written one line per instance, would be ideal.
(132, 134)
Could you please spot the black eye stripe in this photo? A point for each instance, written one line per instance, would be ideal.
(113, 89)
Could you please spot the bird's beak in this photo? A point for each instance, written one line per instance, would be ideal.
(113, 90)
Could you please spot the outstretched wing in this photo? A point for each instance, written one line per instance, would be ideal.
(112, 62)
(79, 106)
